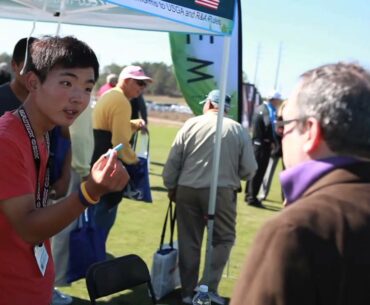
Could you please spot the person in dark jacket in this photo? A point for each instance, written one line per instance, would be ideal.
(317, 250)
(13, 93)
(5, 75)
(265, 143)
(138, 108)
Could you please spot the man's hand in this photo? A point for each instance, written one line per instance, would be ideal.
(139, 124)
(142, 126)
(107, 175)
(172, 194)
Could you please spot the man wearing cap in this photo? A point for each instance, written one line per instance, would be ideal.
(112, 125)
(187, 176)
(265, 143)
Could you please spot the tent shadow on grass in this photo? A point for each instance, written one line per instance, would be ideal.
(158, 189)
(157, 163)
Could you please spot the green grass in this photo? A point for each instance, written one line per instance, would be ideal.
(138, 228)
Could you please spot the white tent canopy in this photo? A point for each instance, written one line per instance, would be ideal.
(154, 15)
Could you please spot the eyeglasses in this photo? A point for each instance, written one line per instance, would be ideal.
(280, 124)
(140, 83)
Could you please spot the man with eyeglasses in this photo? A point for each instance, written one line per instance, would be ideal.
(317, 251)
(112, 125)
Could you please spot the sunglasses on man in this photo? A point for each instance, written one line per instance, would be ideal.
(140, 83)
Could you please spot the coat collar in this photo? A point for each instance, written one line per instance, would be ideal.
(351, 173)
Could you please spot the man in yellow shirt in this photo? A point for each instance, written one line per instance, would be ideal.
(112, 125)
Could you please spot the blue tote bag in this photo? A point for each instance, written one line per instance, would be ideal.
(86, 246)
(138, 187)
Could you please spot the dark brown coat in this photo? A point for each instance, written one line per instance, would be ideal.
(316, 251)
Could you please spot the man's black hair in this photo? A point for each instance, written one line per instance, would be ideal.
(68, 52)
(20, 47)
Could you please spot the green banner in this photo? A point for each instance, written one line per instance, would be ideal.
(197, 65)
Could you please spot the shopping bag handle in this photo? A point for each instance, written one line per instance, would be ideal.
(85, 220)
(135, 137)
(171, 213)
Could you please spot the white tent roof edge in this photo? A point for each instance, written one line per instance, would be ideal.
(108, 15)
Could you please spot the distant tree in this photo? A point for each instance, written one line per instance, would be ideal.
(164, 81)
(112, 68)
(172, 83)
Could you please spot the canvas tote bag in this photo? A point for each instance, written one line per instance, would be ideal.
(165, 269)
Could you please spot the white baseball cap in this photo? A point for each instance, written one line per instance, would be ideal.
(274, 95)
(134, 72)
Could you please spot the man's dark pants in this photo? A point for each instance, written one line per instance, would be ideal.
(262, 155)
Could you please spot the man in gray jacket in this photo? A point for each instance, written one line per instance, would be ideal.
(187, 176)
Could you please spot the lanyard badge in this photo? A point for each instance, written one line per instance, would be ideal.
(42, 257)
(41, 199)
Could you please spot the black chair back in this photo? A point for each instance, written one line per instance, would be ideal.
(115, 275)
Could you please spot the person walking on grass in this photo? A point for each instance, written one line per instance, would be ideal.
(187, 176)
(266, 144)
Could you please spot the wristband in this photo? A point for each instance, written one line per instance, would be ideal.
(84, 196)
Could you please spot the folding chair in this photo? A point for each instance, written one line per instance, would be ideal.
(115, 275)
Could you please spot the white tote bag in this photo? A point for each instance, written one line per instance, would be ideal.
(165, 269)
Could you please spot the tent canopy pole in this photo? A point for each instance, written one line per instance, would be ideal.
(216, 156)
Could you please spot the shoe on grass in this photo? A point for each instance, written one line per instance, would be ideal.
(61, 298)
(256, 203)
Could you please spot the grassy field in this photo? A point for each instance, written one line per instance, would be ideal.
(138, 228)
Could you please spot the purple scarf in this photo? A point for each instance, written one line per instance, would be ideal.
(296, 180)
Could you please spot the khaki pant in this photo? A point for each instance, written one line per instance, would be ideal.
(192, 210)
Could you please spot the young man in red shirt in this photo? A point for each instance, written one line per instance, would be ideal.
(60, 74)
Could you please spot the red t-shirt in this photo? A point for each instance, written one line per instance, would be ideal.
(21, 281)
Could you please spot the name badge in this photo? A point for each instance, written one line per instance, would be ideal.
(42, 257)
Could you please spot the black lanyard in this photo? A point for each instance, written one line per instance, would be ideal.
(41, 200)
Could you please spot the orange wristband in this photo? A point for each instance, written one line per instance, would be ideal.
(86, 196)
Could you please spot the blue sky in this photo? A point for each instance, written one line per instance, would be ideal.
(311, 33)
